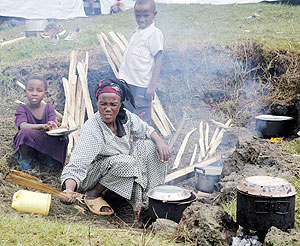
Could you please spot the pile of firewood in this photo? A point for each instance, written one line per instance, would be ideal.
(78, 101)
(113, 49)
(207, 150)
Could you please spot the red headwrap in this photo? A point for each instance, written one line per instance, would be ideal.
(109, 89)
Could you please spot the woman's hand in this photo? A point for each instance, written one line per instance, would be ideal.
(163, 152)
(70, 198)
(50, 125)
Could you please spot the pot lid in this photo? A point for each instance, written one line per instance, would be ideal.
(267, 186)
(169, 193)
(273, 117)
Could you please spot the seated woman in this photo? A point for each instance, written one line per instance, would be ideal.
(32, 120)
(105, 156)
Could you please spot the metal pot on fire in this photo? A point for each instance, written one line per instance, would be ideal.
(264, 201)
(274, 125)
(207, 177)
(169, 202)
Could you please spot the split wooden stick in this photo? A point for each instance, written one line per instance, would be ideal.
(156, 105)
(226, 126)
(85, 90)
(194, 155)
(72, 82)
(118, 41)
(201, 142)
(182, 148)
(102, 43)
(213, 138)
(158, 123)
(206, 136)
(29, 181)
(181, 124)
(216, 143)
(187, 172)
(122, 38)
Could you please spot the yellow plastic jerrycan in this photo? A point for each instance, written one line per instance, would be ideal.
(31, 202)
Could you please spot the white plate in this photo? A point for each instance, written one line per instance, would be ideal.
(273, 117)
(61, 131)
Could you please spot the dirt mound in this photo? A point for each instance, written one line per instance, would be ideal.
(254, 156)
(206, 225)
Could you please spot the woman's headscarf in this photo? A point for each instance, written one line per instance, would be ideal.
(121, 88)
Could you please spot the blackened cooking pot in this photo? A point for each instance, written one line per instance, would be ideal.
(168, 209)
(274, 125)
(264, 201)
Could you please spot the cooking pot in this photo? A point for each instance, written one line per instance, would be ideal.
(274, 125)
(169, 202)
(207, 177)
(264, 201)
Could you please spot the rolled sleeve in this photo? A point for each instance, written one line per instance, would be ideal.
(84, 153)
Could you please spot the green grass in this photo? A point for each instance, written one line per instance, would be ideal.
(292, 147)
(33, 230)
(184, 26)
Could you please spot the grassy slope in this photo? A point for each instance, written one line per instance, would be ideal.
(30, 230)
(183, 26)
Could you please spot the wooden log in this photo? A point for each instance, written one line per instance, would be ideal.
(219, 124)
(58, 114)
(11, 41)
(188, 172)
(85, 90)
(122, 38)
(173, 140)
(118, 41)
(102, 43)
(182, 148)
(201, 142)
(194, 155)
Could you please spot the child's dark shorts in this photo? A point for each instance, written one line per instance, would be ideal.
(143, 105)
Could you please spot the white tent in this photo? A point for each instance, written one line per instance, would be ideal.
(216, 2)
(42, 9)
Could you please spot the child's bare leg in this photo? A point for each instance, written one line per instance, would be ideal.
(25, 152)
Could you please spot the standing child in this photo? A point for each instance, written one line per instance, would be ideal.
(142, 59)
(32, 120)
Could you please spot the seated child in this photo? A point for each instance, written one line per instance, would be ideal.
(32, 120)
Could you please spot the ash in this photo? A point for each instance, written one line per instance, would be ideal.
(246, 240)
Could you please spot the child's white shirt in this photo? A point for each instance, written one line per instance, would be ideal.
(138, 59)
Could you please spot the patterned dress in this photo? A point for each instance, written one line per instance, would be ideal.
(127, 168)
